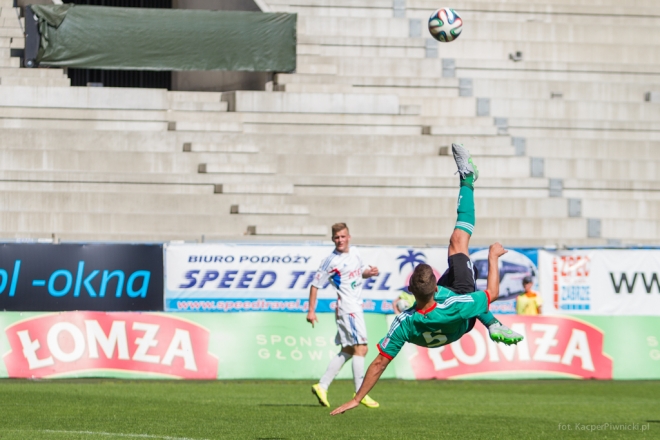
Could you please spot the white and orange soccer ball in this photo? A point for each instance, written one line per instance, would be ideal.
(445, 25)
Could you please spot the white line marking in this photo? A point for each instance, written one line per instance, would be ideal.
(107, 434)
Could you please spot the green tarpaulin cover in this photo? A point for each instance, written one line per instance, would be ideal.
(165, 39)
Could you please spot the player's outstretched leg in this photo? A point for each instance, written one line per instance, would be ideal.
(320, 390)
(460, 239)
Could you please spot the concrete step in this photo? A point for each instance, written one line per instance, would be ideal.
(522, 109)
(640, 125)
(11, 21)
(202, 106)
(435, 207)
(137, 225)
(234, 168)
(71, 189)
(602, 169)
(595, 69)
(517, 11)
(587, 149)
(271, 209)
(438, 230)
(35, 82)
(12, 32)
(166, 203)
(329, 129)
(311, 230)
(490, 49)
(9, 62)
(209, 97)
(84, 97)
(8, 72)
(354, 26)
(254, 188)
(64, 124)
(250, 101)
(562, 90)
(113, 161)
(89, 140)
(465, 130)
(367, 81)
(584, 134)
(219, 148)
(6, 42)
(351, 145)
(206, 126)
(80, 114)
(390, 166)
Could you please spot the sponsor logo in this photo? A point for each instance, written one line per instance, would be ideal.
(557, 346)
(64, 344)
(570, 282)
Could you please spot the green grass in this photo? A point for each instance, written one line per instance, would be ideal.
(106, 409)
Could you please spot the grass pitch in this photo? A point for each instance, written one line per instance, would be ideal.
(109, 409)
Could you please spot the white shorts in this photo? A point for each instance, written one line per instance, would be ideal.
(351, 330)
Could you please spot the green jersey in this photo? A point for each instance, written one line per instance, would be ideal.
(441, 324)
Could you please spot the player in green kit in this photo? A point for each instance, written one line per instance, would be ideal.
(443, 313)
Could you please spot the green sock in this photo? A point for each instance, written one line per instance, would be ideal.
(487, 319)
(466, 216)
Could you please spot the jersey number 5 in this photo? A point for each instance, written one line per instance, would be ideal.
(434, 336)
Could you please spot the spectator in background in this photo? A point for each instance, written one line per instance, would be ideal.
(529, 303)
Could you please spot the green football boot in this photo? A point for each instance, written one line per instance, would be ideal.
(501, 333)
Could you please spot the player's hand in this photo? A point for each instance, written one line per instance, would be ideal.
(371, 272)
(311, 318)
(496, 250)
(345, 407)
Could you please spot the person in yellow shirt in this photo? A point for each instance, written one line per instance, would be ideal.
(529, 303)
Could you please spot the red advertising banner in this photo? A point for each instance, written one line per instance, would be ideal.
(557, 346)
(62, 344)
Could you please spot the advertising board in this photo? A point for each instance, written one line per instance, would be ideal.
(61, 277)
(232, 278)
(258, 345)
(601, 282)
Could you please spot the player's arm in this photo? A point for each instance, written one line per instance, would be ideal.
(311, 313)
(493, 281)
(374, 372)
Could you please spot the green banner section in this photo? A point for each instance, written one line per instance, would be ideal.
(633, 342)
(279, 345)
(165, 39)
(262, 345)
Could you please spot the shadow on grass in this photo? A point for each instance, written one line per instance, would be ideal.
(289, 404)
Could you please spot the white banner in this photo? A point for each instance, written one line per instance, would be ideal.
(600, 282)
(239, 277)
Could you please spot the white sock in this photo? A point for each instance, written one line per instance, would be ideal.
(358, 371)
(333, 369)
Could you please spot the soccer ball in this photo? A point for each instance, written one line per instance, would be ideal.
(445, 25)
(402, 305)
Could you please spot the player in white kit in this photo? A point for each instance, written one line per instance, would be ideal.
(345, 270)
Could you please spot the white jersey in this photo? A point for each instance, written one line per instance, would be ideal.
(344, 271)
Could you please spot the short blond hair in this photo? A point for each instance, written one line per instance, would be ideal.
(339, 227)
